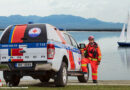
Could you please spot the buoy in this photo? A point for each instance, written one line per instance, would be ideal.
(1, 83)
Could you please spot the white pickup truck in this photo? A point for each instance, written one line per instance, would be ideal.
(40, 51)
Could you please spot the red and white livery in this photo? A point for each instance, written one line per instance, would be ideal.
(40, 51)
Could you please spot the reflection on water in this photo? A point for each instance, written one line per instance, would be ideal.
(125, 56)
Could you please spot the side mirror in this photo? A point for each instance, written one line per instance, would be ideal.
(82, 45)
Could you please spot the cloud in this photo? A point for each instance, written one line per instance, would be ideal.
(106, 10)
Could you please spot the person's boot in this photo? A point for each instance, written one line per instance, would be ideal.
(95, 81)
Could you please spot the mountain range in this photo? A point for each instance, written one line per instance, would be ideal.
(60, 21)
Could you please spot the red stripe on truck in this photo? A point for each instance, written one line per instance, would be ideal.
(18, 34)
(71, 59)
(16, 52)
(61, 37)
(16, 60)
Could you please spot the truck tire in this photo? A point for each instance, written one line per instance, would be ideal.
(11, 79)
(61, 77)
(83, 78)
(44, 79)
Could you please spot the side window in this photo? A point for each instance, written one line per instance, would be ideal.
(74, 42)
(67, 39)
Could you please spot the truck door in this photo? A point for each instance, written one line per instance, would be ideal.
(76, 54)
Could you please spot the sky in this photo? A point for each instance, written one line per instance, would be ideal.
(105, 10)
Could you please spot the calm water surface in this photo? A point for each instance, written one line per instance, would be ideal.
(115, 63)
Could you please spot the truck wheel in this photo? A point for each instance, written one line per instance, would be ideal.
(44, 79)
(11, 80)
(14, 82)
(61, 77)
(84, 78)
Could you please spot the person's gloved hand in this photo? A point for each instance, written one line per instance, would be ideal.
(98, 62)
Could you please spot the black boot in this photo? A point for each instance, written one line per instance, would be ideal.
(95, 81)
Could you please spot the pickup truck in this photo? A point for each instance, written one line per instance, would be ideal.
(41, 51)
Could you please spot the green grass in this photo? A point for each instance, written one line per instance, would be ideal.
(83, 88)
(80, 87)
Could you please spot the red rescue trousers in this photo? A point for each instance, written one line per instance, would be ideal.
(94, 67)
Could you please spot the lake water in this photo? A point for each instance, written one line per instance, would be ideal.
(115, 64)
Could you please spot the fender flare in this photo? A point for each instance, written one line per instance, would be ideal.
(64, 59)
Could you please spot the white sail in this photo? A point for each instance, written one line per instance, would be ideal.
(128, 30)
(122, 36)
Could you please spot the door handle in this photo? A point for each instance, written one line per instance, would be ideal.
(22, 51)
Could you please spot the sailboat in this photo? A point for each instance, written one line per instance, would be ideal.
(124, 40)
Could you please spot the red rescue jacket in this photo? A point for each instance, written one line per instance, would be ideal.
(93, 52)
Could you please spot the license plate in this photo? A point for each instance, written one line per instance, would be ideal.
(23, 65)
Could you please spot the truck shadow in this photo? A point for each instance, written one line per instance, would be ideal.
(37, 84)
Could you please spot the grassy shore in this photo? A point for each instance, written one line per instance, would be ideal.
(85, 88)
(71, 87)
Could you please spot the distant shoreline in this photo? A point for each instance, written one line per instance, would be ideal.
(95, 30)
(90, 30)
(1, 29)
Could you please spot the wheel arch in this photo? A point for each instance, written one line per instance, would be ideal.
(65, 59)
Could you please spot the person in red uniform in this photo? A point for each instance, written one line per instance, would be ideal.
(92, 55)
